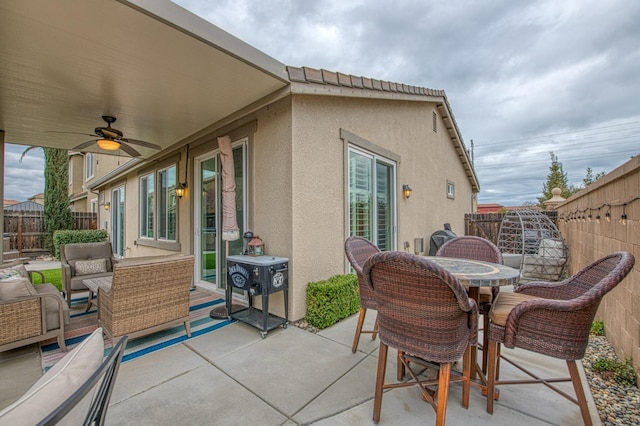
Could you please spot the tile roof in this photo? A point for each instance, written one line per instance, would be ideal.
(312, 75)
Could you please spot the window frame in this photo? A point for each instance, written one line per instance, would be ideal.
(376, 160)
(89, 166)
(451, 190)
(158, 217)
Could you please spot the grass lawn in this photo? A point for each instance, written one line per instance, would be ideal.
(53, 276)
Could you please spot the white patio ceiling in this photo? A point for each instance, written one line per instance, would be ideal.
(161, 71)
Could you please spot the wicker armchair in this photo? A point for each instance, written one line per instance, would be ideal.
(358, 250)
(554, 319)
(96, 260)
(476, 248)
(29, 313)
(146, 295)
(424, 312)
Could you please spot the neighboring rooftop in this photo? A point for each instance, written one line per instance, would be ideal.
(25, 206)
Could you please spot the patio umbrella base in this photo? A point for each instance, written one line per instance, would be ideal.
(221, 311)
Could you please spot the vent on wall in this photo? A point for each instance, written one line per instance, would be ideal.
(435, 121)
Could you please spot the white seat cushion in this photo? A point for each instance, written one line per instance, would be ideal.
(58, 384)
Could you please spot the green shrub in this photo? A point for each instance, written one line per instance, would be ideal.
(331, 300)
(77, 236)
(622, 371)
(597, 328)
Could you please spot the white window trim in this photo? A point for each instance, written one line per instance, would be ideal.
(451, 190)
(375, 158)
(89, 166)
(155, 241)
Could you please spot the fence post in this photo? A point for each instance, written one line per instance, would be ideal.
(19, 240)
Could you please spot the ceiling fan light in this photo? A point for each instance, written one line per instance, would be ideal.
(108, 144)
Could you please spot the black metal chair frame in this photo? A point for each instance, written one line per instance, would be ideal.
(106, 373)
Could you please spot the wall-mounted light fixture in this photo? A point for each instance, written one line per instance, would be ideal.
(107, 206)
(607, 215)
(406, 191)
(181, 189)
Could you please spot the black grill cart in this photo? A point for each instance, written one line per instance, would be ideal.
(258, 276)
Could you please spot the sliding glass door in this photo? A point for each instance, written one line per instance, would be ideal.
(210, 249)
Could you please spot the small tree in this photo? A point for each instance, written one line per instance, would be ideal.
(590, 178)
(556, 178)
(57, 215)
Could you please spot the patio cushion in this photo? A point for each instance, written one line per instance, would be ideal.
(92, 266)
(486, 295)
(62, 380)
(504, 303)
(15, 286)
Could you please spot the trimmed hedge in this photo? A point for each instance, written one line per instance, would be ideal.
(78, 236)
(331, 300)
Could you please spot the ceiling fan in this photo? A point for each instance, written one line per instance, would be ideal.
(111, 139)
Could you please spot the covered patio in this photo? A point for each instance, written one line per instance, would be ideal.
(164, 73)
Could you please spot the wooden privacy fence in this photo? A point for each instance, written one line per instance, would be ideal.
(24, 232)
(487, 225)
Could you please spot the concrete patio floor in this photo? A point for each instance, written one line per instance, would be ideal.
(233, 377)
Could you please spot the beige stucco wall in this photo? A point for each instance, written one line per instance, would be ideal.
(297, 182)
(428, 160)
(589, 241)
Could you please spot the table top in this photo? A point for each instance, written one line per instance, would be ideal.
(475, 273)
(94, 283)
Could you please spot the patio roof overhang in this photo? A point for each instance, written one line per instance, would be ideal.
(163, 72)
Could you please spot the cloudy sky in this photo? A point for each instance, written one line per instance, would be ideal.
(523, 78)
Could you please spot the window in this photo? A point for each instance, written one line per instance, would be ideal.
(147, 200)
(88, 166)
(94, 205)
(451, 190)
(158, 204)
(434, 117)
(371, 198)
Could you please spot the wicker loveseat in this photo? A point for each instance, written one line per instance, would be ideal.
(28, 313)
(83, 261)
(145, 295)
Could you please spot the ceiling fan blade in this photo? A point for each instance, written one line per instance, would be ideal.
(72, 133)
(126, 148)
(141, 143)
(84, 145)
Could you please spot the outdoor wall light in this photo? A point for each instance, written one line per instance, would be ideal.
(598, 216)
(108, 144)
(607, 215)
(181, 189)
(107, 206)
(406, 191)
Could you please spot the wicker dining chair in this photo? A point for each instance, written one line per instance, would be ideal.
(476, 248)
(358, 250)
(553, 319)
(425, 313)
